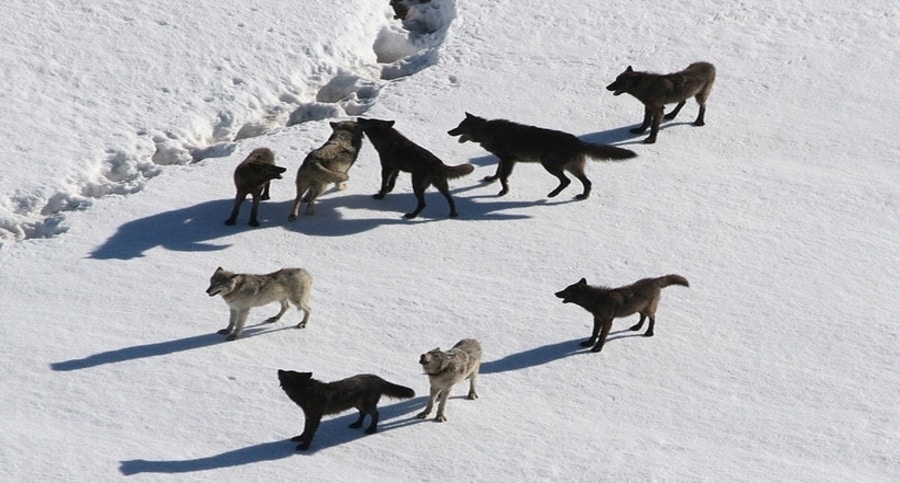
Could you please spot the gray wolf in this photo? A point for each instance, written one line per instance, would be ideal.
(657, 90)
(243, 291)
(607, 303)
(327, 164)
(557, 151)
(397, 153)
(445, 369)
(252, 177)
(318, 399)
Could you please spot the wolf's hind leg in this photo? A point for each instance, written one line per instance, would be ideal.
(675, 111)
(274, 318)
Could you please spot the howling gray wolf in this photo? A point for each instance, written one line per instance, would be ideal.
(445, 369)
(327, 164)
(607, 303)
(318, 399)
(557, 151)
(657, 90)
(252, 177)
(243, 291)
(397, 153)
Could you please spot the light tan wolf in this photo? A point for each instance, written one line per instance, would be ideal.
(657, 90)
(252, 177)
(557, 151)
(327, 164)
(607, 303)
(244, 291)
(445, 369)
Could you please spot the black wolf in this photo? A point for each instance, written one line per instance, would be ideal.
(318, 399)
(397, 153)
(607, 303)
(252, 177)
(657, 90)
(557, 151)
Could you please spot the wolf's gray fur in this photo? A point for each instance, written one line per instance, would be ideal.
(243, 291)
(445, 369)
(327, 164)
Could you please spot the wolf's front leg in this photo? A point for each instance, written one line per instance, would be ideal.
(435, 392)
(239, 324)
(232, 318)
(594, 333)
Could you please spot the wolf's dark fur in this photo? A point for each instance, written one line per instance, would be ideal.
(397, 153)
(657, 90)
(607, 303)
(252, 177)
(318, 399)
(557, 151)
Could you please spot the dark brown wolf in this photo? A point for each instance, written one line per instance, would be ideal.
(318, 399)
(252, 177)
(557, 151)
(657, 90)
(607, 303)
(397, 153)
(327, 164)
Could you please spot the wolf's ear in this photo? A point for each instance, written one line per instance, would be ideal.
(468, 114)
(220, 269)
(583, 281)
(333, 125)
(390, 123)
(629, 69)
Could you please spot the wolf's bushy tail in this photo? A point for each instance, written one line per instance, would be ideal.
(397, 391)
(459, 170)
(331, 176)
(673, 279)
(606, 152)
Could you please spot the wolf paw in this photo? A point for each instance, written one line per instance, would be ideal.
(472, 396)
(440, 419)
(223, 332)
(232, 337)
(423, 414)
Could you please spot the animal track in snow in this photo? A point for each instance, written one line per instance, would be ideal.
(402, 48)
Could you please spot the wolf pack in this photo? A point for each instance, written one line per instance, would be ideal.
(510, 142)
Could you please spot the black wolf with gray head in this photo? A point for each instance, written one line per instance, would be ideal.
(318, 399)
(397, 153)
(243, 291)
(327, 164)
(657, 90)
(445, 369)
(607, 303)
(557, 151)
(252, 177)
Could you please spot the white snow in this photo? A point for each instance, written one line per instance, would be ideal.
(122, 124)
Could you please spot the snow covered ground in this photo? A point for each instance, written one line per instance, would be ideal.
(123, 123)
